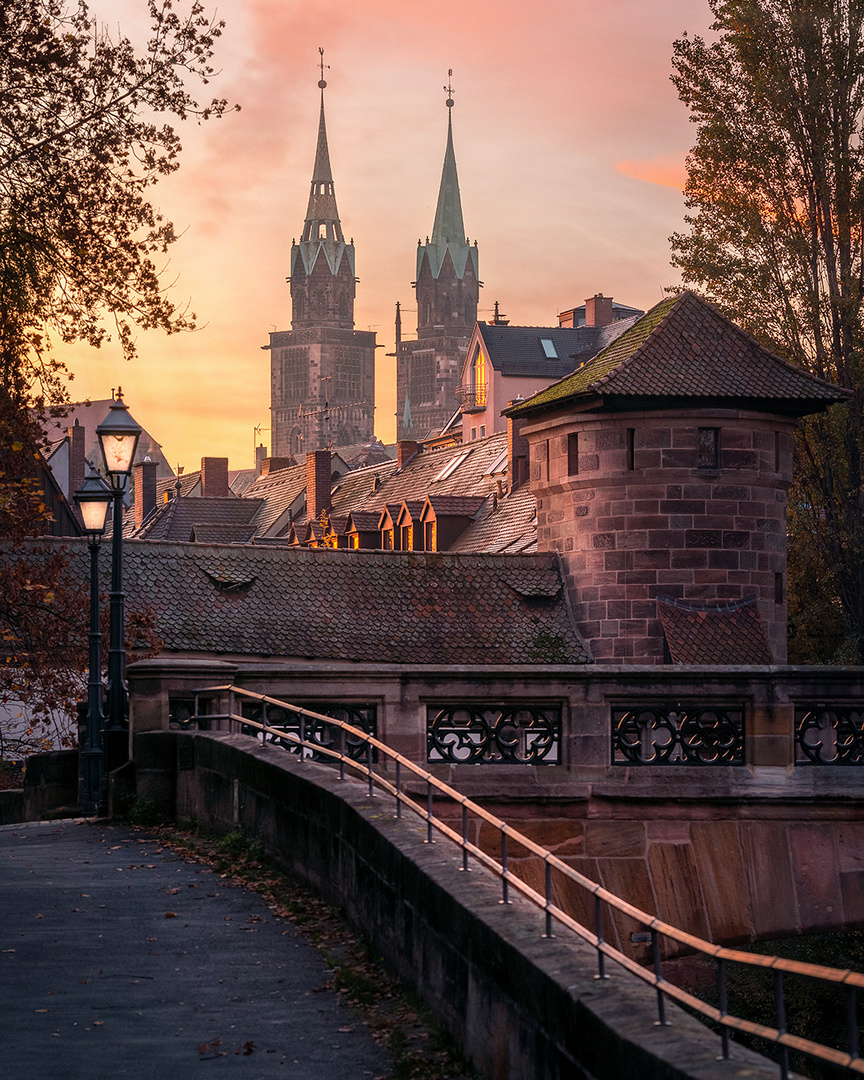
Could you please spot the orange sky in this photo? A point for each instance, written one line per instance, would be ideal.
(569, 140)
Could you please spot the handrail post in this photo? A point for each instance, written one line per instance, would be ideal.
(723, 1004)
(548, 933)
(263, 722)
(598, 925)
(780, 1006)
(230, 708)
(429, 839)
(465, 866)
(196, 709)
(658, 974)
(371, 790)
(505, 894)
(341, 752)
(302, 735)
(852, 1023)
(398, 789)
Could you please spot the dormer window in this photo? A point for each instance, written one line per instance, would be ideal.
(549, 349)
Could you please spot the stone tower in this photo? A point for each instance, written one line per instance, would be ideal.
(661, 468)
(447, 289)
(322, 384)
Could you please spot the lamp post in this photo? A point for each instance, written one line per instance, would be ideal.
(118, 439)
(93, 498)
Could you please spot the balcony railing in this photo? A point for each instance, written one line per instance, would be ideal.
(471, 398)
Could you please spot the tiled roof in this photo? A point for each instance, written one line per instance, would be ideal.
(418, 478)
(240, 480)
(714, 634)
(509, 526)
(375, 607)
(353, 489)
(188, 481)
(178, 519)
(218, 533)
(684, 347)
(364, 520)
(90, 415)
(278, 490)
(456, 505)
(517, 350)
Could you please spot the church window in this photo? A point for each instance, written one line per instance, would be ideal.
(422, 379)
(322, 231)
(295, 373)
(346, 371)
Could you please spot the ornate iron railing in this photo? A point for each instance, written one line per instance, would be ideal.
(850, 982)
(471, 733)
(318, 733)
(471, 397)
(829, 735)
(676, 734)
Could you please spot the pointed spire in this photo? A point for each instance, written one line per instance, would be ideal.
(449, 227)
(322, 217)
(448, 232)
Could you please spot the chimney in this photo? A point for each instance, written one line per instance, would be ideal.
(517, 452)
(260, 456)
(76, 459)
(406, 448)
(214, 477)
(317, 483)
(271, 464)
(598, 310)
(144, 473)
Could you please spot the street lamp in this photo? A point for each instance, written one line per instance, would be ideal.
(92, 499)
(118, 439)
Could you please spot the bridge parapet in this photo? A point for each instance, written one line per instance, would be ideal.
(538, 731)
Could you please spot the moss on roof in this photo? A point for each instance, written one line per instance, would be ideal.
(601, 365)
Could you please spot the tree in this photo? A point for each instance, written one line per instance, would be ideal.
(81, 144)
(82, 141)
(775, 191)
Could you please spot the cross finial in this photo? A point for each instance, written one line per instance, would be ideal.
(449, 89)
(321, 82)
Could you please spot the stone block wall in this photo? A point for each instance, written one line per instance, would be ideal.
(638, 509)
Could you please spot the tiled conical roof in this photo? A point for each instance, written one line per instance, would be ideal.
(684, 348)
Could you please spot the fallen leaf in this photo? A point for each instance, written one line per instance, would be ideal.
(170, 914)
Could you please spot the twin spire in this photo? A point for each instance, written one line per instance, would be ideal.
(322, 217)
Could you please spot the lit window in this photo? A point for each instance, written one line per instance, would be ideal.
(549, 348)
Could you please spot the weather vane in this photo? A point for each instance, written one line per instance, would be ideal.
(449, 89)
(321, 82)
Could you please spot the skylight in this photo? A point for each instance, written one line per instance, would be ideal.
(498, 465)
(549, 348)
(452, 466)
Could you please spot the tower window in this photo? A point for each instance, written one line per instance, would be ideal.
(631, 448)
(708, 448)
(573, 454)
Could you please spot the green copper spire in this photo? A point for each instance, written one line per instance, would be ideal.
(449, 226)
(448, 232)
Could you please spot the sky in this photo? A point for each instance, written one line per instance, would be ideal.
(570, 144)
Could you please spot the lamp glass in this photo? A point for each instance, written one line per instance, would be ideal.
(118, 451)
(94, 513)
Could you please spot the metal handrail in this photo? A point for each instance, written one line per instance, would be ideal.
(785, 1041)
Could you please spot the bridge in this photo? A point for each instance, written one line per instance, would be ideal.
(699, 838)
(517, 970)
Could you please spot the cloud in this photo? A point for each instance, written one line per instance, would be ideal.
(668, 171)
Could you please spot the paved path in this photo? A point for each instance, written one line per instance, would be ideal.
(118, 959)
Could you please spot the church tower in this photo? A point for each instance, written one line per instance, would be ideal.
(322, 384)
(447, 289)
